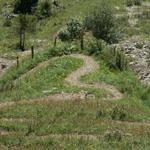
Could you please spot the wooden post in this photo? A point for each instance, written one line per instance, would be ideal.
(32, 51)
(17, 61)
(55, 41)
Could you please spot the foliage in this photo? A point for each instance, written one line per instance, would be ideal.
(114, 58)
(103, 24)
(130, 3)
(119, 113)
(62, 50)
(24, 24)
(95, 46)
(24, 6)
(64, 35)
(44, 9)
(7, 23)
(73, 30)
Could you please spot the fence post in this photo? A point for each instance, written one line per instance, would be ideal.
(17, 61)
(32, 51)
(55, 41)
(82, 42)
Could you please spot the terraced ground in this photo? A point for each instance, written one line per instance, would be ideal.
(75, 101)
(67, 120)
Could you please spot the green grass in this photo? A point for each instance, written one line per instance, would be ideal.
(47, 78)
(73, 117)
(126, 81)
(48, 27)
(95, 117)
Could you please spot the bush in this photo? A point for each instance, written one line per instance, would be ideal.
(94, 47)
(103, 24)
(146, 14)
(119, 113)
(64, 35)
(114, 58)
(130, 3)
(73, 30)
(138, 2)
(61, 50)
(113, 135)
(7, 23)
(44, 9)
(24, 6)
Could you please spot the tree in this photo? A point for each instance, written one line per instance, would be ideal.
(102, 23)
(44, 9)
(24, 24)
(24, 6)
(73, 30)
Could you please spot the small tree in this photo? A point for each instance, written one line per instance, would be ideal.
(24, 6)
(44, 9)
(73, 30)
(102, 23)
(24, 24)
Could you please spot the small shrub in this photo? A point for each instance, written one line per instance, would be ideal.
(24, 6)
(145, 95)
(75, 28)
(7, 23)
(119, 113)
(130, 3)
(146, 14)
(114, 58)
(74, 31)
(94, 47)
(139, 45)
(64, 35)
(113, 135)
(100, 114)
(61, 50)
(138, 2)
(103, 24)
(43, 10)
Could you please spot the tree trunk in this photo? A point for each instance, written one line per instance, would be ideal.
(20, 42)
(23, 41)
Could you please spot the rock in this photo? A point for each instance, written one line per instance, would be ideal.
(138, 50)
(3, 66)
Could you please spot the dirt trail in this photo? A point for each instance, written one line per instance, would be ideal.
(91, 66)
(74, 80)
(70, 136)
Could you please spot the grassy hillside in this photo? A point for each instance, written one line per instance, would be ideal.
(40, 109)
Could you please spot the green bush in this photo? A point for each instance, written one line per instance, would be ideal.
(103, 24)
(113, 135)
(44, 9)
(130, 3)
(138, 2)
(114, 58)
(73, 30)
(61, 50)
(64, 35)
(7, 23)
(94, 47)
(146, 14)
(119, 113)
(24, 6)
